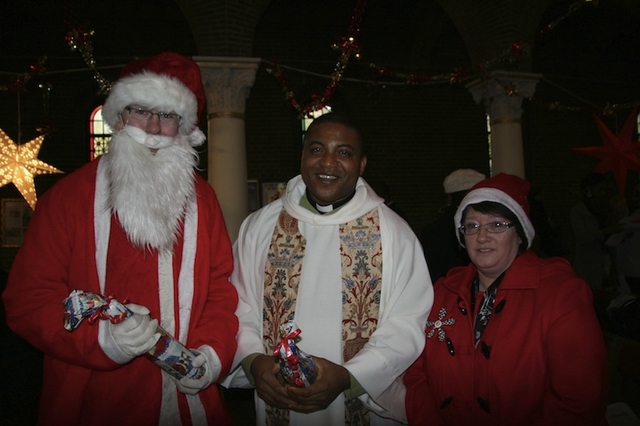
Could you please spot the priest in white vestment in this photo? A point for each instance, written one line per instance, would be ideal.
(330, 255)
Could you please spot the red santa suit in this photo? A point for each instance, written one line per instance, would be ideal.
(540, 360)
(64, 250)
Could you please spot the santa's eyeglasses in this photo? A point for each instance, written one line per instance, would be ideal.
(141, 114)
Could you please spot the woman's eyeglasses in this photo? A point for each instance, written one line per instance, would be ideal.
(472, 228)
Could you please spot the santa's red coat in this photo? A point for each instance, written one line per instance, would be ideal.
(81, 385)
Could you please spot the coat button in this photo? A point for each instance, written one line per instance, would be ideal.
(486, 350)
(462, 309)
(452, 351)
(446, 402)
(484, 404)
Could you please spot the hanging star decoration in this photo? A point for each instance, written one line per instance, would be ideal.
(19, 164)
(618, 154)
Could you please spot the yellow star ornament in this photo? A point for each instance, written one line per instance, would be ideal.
(19, 164)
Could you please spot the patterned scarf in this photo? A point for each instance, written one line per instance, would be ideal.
(361, 261)
(486, 308)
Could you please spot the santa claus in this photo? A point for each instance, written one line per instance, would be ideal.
(138, 224)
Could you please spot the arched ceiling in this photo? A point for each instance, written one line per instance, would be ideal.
(223, 27)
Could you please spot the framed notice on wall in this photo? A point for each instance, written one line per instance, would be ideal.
(272, 190)
(16, 214)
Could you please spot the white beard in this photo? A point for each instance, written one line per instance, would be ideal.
(149, 191)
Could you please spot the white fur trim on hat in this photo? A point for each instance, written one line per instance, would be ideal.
(497, 196)
(154, 91)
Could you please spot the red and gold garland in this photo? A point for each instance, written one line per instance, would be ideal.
(19, 82)
(79, 38)
(512, 55)
(348, 47)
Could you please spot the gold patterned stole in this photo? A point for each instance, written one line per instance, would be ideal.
(361, 261)
(281, 277)
(361, 257)
(281, 281)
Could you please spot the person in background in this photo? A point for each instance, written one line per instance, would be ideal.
(592, 222)
(332, 257)
(438, 238)
(137, 224)
(383, 190)
(626, 248)
(512, 339)
(548, 241)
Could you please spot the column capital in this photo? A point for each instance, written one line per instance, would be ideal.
(502, 93)
(227, 82)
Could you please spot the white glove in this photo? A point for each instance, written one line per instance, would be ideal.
(136, 334)
(193, 386)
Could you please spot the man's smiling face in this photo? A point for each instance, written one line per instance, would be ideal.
(332, 161)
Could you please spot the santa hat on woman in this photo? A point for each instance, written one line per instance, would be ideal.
(509, 190)
(168, 82)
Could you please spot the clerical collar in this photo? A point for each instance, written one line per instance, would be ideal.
(329, 207)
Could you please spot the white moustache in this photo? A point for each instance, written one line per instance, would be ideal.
(150, 141)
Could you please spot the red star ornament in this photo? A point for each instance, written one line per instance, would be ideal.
(618, 154)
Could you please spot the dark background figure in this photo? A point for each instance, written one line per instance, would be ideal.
(593, 220)
(438, 238)
(628, 251)
(623, 312)
(548, 241)
(383, 190)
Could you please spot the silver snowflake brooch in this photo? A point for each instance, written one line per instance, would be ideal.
(438, 324)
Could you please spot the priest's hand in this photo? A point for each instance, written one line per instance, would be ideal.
(265, 371)
(332, 379)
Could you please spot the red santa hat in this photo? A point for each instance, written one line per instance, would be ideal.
(509, 190)
(168, 82)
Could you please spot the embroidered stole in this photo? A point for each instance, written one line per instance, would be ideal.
(361, 261)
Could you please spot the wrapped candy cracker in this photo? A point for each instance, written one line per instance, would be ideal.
(168, 353)
(297, 367)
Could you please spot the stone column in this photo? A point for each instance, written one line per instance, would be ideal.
(227, 82)
(502, 93)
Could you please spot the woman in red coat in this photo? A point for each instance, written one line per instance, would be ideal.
(512, 339)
